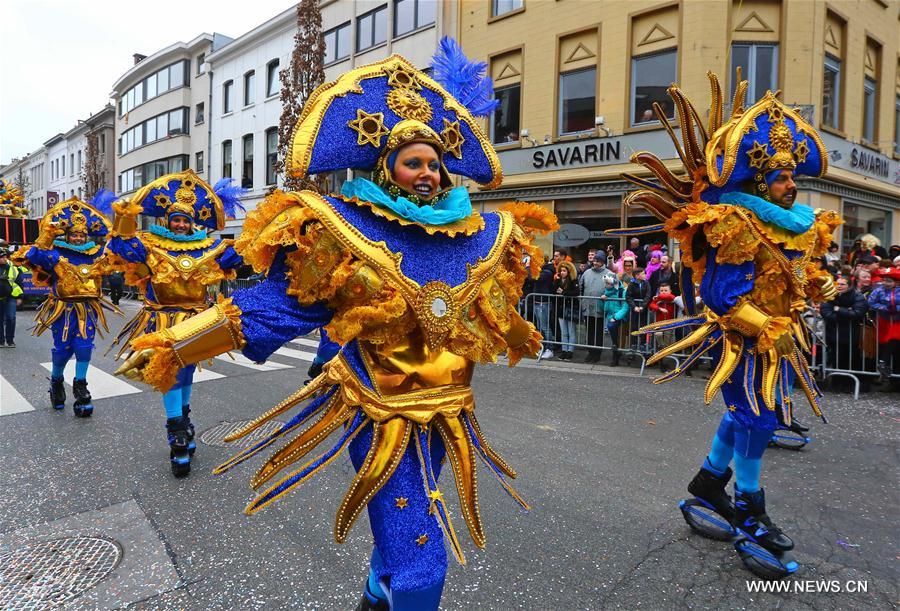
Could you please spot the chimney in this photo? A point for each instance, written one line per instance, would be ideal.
(138, 58)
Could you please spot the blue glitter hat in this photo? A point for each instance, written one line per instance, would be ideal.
(76, 215)
(185, 193)
(367, 113)
(765, 138)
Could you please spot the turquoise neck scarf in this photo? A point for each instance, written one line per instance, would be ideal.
(76, 247)
(164, 232)
(453, 207)
(796, 219)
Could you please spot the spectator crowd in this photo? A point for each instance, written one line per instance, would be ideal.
(594, 305)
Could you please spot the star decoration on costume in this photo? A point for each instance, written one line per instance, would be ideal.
(402, 502)
(401, 76)
(776, 113)
(748, 277)
(204, 214)
(758, 155)
(96, 226)
(801, 150)
(369, 127)
(421, 539)
(162, 200)
(453, 138)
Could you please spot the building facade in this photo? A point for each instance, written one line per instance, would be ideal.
(577, 80)
(161, 121)
(245, 106)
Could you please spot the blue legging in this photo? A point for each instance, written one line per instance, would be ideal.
(180, 394)
(68, 342)
(734, 441)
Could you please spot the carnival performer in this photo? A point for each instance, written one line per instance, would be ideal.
(174, 262)
(413, 284)
(67, 258)
(749, 246)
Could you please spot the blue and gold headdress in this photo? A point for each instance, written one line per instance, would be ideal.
(358, 120)
(11, 200)
(90, 218)
(185, 193)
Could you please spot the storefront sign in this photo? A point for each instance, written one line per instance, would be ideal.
(585, 153)
(861, 160)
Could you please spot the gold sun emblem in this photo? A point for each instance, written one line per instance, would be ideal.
(758, 155)
(409, 105)
(401, 76)
(204, 214)
(801, 150)
(368, 127)
(185, 194)
(453, 138)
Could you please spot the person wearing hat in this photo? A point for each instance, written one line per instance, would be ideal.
(10, 297)
(413, 283)
(750, 248)
(70, 258)
(174, 261)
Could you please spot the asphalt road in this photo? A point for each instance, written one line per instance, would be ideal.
(603, 458)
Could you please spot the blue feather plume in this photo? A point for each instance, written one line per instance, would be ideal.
(103, 201)
(465, 80)
(230, 191)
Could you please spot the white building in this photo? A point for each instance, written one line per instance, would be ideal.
(245, 105)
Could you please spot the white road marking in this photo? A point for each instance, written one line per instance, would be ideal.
(303, 341)
(296, 354)
(101, 384)
(206, 374)
(243, 361)
(11, 402)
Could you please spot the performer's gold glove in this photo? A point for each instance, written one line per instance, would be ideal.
(133, 367)
(827, 289)
(125, 220)
(771, 332)
(49, 231)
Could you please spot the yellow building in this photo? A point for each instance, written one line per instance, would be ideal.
(577, 79)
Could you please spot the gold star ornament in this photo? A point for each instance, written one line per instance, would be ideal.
(453, 138)
(402, 502)
(758, 155)
(204, 214)
(422, 539)
(369, 128)
(400, 76)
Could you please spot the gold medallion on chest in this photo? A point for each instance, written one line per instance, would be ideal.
(436, 311)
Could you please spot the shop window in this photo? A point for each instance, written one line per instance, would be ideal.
(505, 119)
(831, 92)
(859, 219)
(577, 101)
(651, 76)
(759, 66)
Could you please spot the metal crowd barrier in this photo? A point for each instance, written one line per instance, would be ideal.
(847, 349)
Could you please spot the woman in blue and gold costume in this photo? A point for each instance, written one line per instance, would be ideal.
(66, 258)
(750, 248)
(413, 284)
(174, 262)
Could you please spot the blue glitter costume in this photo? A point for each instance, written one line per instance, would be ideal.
(751, 255)
(174, 270)
(415, 291)
(74, 273)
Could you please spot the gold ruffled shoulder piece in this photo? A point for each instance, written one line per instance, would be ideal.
(827, 221)
(276, 222)
(532, 217)
(174, 245)
(470, 225)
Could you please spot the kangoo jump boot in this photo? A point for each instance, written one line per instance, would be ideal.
(57, 393)
(179, 455)
(83, 407)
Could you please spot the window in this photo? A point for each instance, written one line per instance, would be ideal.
(337, 43)
(869, 110)
(162, 126)
(651, 75)
(371, 28)
(897, 125)
(249, 86)
(226, 96)
(198, 113)
(505, 120)
(79, 160)
(411, 15)
(102, 144)
(137, 177)
(271, 154)
(831, 92)
(170, 77)
(226, 159)
(198, 162)
(577, 92)
(72, 164)
(177, 75)
(247, 165)
(501, 7)
(62, 165)
(200, 59)
(272, 82)
(759, 66)
(178, 122)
